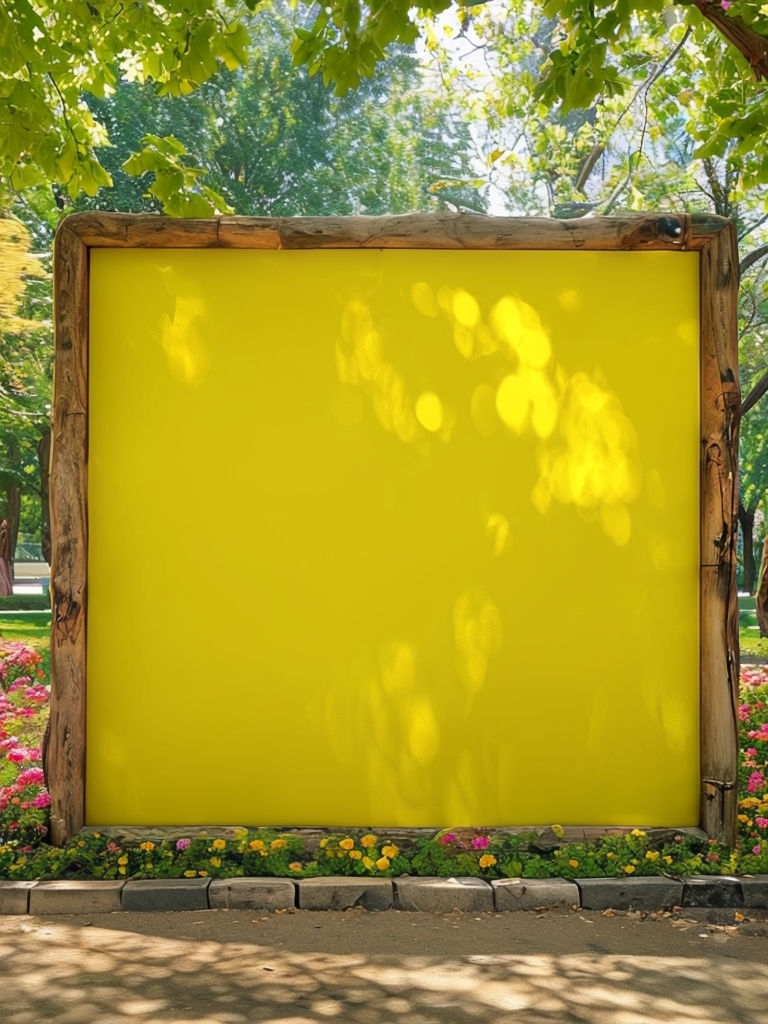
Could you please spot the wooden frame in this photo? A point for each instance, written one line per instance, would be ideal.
(713, 238)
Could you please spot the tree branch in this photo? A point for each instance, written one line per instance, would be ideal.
(752, 258)
(755, 394)
(750, 44)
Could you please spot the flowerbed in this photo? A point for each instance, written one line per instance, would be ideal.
(266, 852)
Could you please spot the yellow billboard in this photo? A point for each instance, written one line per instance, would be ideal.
(392, 536)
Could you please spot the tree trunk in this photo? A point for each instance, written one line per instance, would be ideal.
(761, 597)
(44, 461)
(747, 524)
(12, 513)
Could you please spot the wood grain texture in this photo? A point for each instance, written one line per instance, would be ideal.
(65, 751)
(412, 231)
(720, 409)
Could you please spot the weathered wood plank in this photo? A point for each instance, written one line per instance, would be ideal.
(65, 750)
(414, 231)
(97, 229)
(720, 405)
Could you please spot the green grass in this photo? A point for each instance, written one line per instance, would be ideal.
(751, 644)
(33, 628)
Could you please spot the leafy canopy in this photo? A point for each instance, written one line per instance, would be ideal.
(55, 51)
(597, 52)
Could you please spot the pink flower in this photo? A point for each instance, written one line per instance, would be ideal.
(761, 822)
(757, 850)
(759, 734)
(481, 843)
(41, 800)
(744, 712)
(31, 776)
(182, 844)
(448, 838)
(755, 781)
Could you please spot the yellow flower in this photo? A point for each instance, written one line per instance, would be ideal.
(629, 869)
(637, 832)
(667, 860)
(610, 856)
(390, 851)
(81, 843)
(203, 874)
(347, 844)
(368, 841)
(96, 835)
(742, 818)
(278, 844)
(256, 844)
(323, 843)
(215, 862)
(295, 866)
(147, 846)
(190, 874)
(122, 860)
(355, 855)
(573, 863)
(382, 863)
(487, 860)
(559, 831)
(652, 855)
(219, 844)
(368, 862)
(121, 870)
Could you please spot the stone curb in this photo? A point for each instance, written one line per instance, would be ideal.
(431, 895)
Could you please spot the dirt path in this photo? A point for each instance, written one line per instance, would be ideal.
(220, 967)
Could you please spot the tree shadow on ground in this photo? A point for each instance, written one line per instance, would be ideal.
(228, 968)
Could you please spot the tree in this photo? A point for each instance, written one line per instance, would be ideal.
(57, 51)
(25, 370)
(268, 139)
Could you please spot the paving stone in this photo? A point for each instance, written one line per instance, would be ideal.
(251, 894)
(95, 896)
(755, 891)
(712, 891)
(530, 893)
(344, 893)
(14, 897)
(166, 894)
(653, 893)
(443, 894)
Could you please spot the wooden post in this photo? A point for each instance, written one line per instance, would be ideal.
(64, 758)
(720, 409)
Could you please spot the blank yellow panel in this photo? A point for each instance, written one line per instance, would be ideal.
(393, 538)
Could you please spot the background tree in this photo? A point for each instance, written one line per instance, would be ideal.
(269, 139)
(25, 372)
